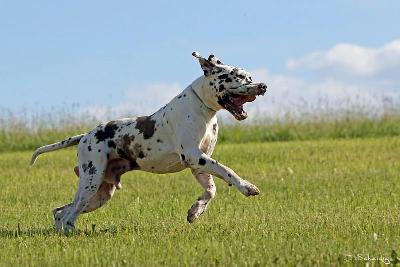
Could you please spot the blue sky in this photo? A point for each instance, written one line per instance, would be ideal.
(118, 53)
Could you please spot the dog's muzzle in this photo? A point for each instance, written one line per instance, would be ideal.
(235, 98)
(261, 88)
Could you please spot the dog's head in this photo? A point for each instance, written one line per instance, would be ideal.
(229, 87)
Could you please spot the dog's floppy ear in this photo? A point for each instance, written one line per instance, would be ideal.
(206, 65)
(215, 60)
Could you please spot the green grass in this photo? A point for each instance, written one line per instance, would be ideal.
(321, 201)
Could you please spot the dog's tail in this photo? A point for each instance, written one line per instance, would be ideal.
(62, 144)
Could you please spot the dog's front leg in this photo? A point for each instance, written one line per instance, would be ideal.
(199, 161)
(207, 182)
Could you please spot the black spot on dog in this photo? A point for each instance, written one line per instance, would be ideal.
(112, 144)
(89, 148)
(179, 97)
(123, 154)
(133, 165)
(99, 150)
(84, 167)
(108, 155)
(141, 155)
(84, 141)
(159, 141)
(184, 95)
(202, 161)
(92, 170)
(215, 128)
(229, 175)
(228, 80)
(108, 132)
(148, 149)
(182, 157)
(221, 88)
(211, 83)
(223, 101)
(223, 76)
(145, 125)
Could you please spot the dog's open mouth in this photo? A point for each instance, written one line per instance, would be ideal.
(234, 99)
(234, 104)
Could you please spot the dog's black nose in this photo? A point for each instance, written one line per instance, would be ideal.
(263, 88)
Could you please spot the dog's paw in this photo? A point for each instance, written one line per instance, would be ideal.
(191, 217)
(249, 189)
(195, 211)
(68, 227)
(57, 213)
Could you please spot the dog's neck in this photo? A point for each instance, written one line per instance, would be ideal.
(199, 88)
(201, 100)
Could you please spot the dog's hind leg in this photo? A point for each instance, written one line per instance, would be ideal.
(105, 193)
(207, 182)
(91, 178)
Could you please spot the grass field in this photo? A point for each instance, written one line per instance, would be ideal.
(322, 202)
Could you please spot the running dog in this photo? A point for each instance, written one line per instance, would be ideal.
(180, 135)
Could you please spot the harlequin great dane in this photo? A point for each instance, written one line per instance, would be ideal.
(180, 135)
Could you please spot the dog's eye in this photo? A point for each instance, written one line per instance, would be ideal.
(241, 76)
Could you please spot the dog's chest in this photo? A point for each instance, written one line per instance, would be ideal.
(165, 158)
(209, 140)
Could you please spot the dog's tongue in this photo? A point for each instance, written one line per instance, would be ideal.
(240, 100)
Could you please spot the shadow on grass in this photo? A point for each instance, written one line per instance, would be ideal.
(32, 232)
(51, 231)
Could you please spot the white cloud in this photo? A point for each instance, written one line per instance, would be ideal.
(295, 96)
(352, 60)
